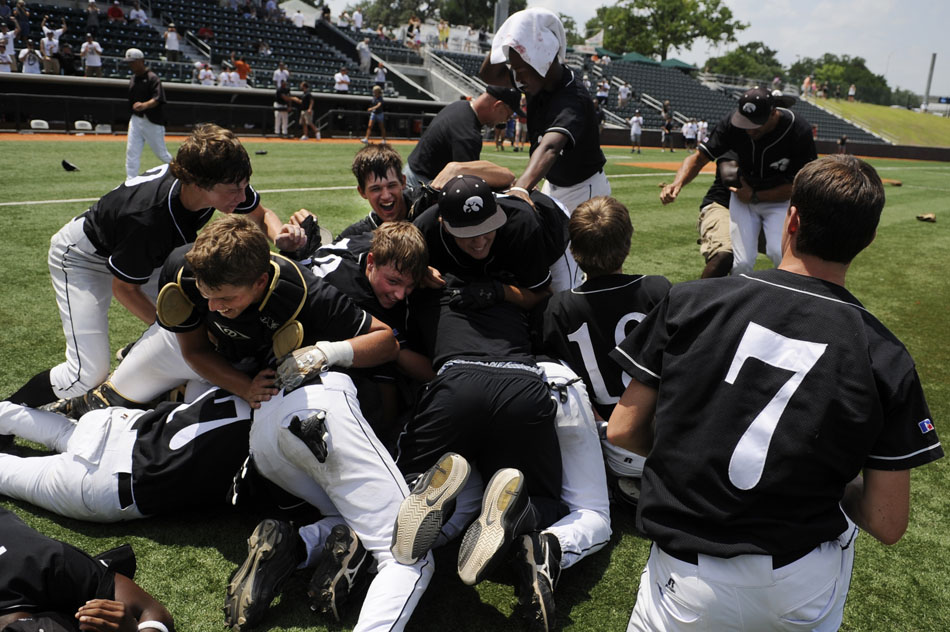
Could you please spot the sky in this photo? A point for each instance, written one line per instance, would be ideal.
(895, 37)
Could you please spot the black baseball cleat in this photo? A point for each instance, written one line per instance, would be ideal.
(274, 551)
(538, 563)
(424, 511)
(313, 432)
(486, 541)
(341, 570)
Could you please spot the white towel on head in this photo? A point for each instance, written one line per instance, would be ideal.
(536, 34)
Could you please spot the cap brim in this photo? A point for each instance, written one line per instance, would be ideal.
(496, 221)
(742, 122)
(784, 101)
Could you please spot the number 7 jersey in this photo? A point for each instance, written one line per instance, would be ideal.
(774, 391)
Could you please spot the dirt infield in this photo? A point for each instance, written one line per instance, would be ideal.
(667, 166)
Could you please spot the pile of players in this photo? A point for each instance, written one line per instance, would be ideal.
(447, 340)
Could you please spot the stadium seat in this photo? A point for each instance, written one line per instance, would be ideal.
(39, 124)
(103, 128)
(82, 126)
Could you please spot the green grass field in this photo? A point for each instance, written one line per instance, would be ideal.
(900, 125)
(185, 560)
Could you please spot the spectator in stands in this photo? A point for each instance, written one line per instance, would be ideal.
(667, 109)
(137, 15)
(7, 61)
(224, 77)
(206, 75)
(852, 91)
(8, 47)
(598, 114)
(365, 55)
(5, 10)
(325, 13)
(49, 49)
(92, 17)
(837, 92)
(297, 19)
(343, 20)
(263, 49)
(281, 73)
(341, 81)
(172, 43)
(57, 33)
(243, 70)
(375, 116)
(21, 15)
(380, 78)
(603, 92)
(67, 60)
(413, 34)
(115, 13)
(234, 78)
(471, 40)
(586, 81)
(306, 112)
(381, 32)
(206, 34)
(444, 31)
(91, 53)
(623, 95)
(357, 19)
(30, 59)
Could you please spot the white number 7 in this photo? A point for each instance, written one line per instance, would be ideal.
(748, 459)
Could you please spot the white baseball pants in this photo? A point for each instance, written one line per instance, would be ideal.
(586, 529)
(82, 481)
(141, 131)
(154, 365)
(359, 482)
(281, 118)
(744, 592)
(745, 222)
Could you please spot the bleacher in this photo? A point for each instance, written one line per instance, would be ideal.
(468, 63)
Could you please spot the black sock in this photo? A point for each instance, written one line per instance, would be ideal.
(36, 392)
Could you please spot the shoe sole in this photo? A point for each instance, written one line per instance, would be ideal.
(334, 579)
(422, 512)
(538, 611)
(247, 600)
(488, 537)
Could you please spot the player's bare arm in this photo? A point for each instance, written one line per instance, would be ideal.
(524, 298)
(200, 354)
(541, 162)
(496, 176)
(879, 503)
(134, 299)
(631, 424)
(131, 606)
(375, 347)
(690, 168)
(495, 74)
(415, 365)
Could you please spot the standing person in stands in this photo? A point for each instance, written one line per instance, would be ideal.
(365, 55)
(91, 53)
(243, 69)
(380, 78)
(528, 52)
(341, 81)
(172, 43)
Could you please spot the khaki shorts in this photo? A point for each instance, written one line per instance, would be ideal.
(306, 118)
(713, 228)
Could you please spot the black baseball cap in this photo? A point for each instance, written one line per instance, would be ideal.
(754, 109)
(508, 96)
(468, 209)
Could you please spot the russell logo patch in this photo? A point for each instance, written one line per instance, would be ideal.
(926, 426)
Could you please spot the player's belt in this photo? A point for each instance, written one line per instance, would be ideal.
(125, 490)
(778, 561)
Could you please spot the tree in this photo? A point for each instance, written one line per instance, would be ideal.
(754, 60)
(395, 13)
(570, 29)
(843, 71)
(653, 27)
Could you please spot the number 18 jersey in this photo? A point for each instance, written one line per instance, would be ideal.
(774, 391)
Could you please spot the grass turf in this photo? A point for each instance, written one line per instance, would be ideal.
(185, 560)
(902, 126)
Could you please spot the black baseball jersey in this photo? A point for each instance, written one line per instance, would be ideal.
(498, 332)
(137, 224)
(518, 255)
(39, 574)
(372, 221)
(568, 110)
(292, 293)
(455, 134)
(146, 87)
(770, 161)
(581, 326)
(774, 391)
(185, 455)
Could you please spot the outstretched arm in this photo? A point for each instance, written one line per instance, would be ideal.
(690, 168)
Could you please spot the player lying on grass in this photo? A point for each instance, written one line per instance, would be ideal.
(777, 416)
(50, 585)
(118, 246)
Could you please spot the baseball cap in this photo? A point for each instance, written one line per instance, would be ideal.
(780, 99)
(508, 96)
(754, 109)
(134, 53)
(468, 209)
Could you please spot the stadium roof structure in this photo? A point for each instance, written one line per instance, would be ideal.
(676, 63)
(637, 58)
(609, 53)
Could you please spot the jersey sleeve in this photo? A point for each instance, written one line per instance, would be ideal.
(569, 118)
(908, 438)
(252, 200)
(331, 315)
(641, 353)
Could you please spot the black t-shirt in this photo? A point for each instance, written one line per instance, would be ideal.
(372, 221)
(378, 110)
(138, 223)
(185, 455)
(770, 161)
(581, 326)
(279, 94)
(292, 293)
(145, 87)
(305, 100)
(569, 111)
(774, 391)
(518, 255)
(455, 134)
(496, 333)
(39, 574)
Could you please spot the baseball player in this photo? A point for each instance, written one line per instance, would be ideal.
(147, 123)
(118, 463)
(46, 584)
(772, 143)
(379, 180)
(753, 390)
(315, 443)
(528, 53)
(117, 247)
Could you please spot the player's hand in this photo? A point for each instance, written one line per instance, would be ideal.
(295, 367)
(292, 237)
(138, 106)
(743, 192)
(261, 389)
(433, 279)
(669, 193)
(297, 218)
(521, 195)
(105, 615)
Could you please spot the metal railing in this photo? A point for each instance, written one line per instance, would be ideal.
(454, 71)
